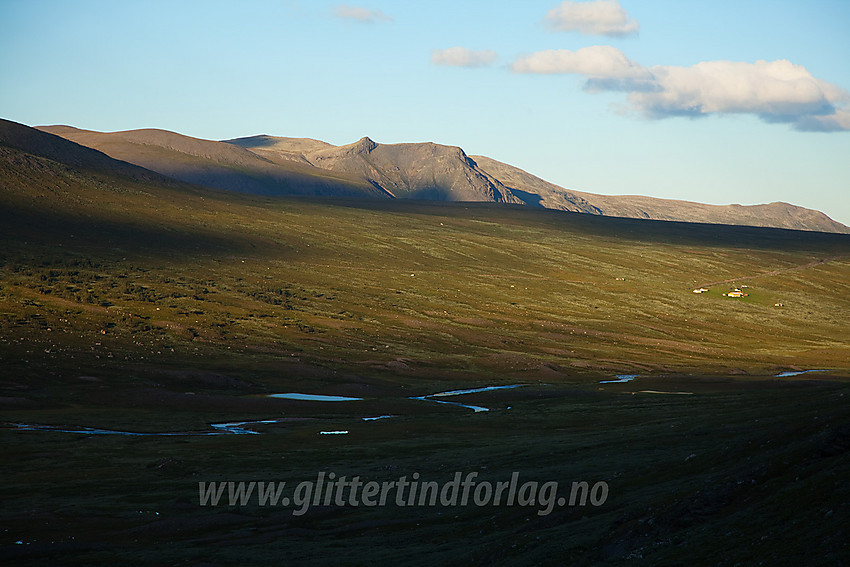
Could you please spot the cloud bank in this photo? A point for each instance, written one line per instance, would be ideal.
(462, 57)
(775, 91)
(360, 14)
(597, 17)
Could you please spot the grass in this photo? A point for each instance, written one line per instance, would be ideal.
(154, 308)
(464, 285)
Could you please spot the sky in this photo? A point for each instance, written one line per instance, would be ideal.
(718, 102)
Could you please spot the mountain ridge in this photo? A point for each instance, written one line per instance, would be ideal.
(271, 165)
(783, 215)
(214, 164)
(409, 170)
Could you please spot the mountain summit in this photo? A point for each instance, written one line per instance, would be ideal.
(405, 171)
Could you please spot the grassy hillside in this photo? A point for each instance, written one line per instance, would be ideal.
(473, 288)
(148, 307)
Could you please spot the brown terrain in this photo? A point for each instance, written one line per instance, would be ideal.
(216, 164)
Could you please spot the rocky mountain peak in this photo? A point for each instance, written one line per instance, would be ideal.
(364, 145)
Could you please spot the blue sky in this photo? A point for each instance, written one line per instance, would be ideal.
(655, 97)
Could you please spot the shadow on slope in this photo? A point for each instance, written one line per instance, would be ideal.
(615, 228)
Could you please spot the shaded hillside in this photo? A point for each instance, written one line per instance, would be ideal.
(62, 150)
(216, 164)
(535, 191)
(58, 194)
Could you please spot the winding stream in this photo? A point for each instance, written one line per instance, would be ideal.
(313, 397)
(244, 427)
(230, 427)
(476, 409)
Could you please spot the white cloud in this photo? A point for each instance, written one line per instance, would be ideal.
(775, 91)
(462, 57)
(360, 14)
(835, 122)
(597, 17)
(597, 61)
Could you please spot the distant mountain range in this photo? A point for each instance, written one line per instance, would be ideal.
(276, 166)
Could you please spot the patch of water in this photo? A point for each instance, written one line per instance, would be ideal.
(377, 417)
(238, 427)
(471, 391)
(621, 378)
(313, 397)
(796, 373)
(343, 432)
